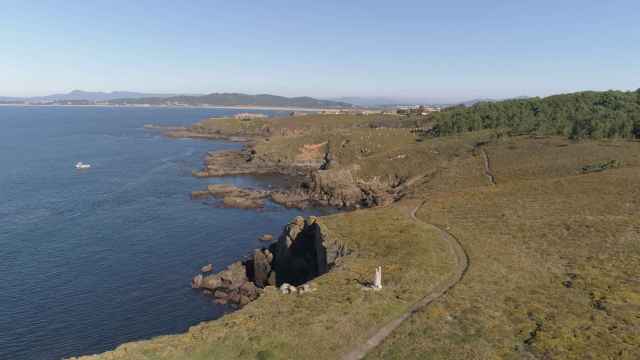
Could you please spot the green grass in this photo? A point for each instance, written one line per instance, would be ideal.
(330, 321)
(554, 253)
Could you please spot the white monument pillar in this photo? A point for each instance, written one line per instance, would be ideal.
(377, 279)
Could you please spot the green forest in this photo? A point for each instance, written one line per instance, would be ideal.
(589, 114)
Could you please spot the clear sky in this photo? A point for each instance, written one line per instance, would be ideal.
(454, 49)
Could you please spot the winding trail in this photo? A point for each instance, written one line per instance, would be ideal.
(487, 167)
(462, 265)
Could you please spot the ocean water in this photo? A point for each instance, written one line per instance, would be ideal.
(91, 259)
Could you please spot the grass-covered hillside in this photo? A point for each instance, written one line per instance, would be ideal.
(549, 224)
(594, 115)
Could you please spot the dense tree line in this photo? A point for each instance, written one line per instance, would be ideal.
(587, 114)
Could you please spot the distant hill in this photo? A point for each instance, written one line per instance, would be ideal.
(98, 96)
(80, 95)
(370, 101)
(235, 99)
(377, 101)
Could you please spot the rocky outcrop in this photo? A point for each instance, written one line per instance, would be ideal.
(231, 286)
(336, 188)
(266, 237)
(243, 162)
(323, 184)
(303, 251)
(234, 197)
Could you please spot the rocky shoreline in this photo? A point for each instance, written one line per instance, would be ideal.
(304, 251)
(323, 185)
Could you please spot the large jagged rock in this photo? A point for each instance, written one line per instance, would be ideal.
(304, 251)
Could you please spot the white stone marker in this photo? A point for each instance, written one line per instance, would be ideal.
(377, 279)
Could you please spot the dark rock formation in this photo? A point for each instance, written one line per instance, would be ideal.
(303, 252)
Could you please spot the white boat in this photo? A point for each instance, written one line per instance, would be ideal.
(80, 165)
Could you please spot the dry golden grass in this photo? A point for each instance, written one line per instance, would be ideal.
(524, 158)
(555, 261)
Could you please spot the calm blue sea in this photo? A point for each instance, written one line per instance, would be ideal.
(91, 259)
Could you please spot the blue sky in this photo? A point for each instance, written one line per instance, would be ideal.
(451, 49)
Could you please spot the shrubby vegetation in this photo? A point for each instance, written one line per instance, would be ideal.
(589, 114)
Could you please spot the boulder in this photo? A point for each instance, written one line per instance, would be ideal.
(219, 294)
(220, 189)
(249, 290)
(234, 276)
(196, 282)
(266, 237)
(234, 297)
(221, 301)
(261, 267)
(199, 194)
(207, 268)
(211, 282)
(242, 203)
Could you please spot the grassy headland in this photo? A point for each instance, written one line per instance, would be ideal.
(553, 246)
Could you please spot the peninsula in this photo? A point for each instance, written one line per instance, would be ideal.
(484, 255)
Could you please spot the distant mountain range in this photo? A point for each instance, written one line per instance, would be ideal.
(79, 97)
(236, 99)
(398, 101)
(377, 101)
